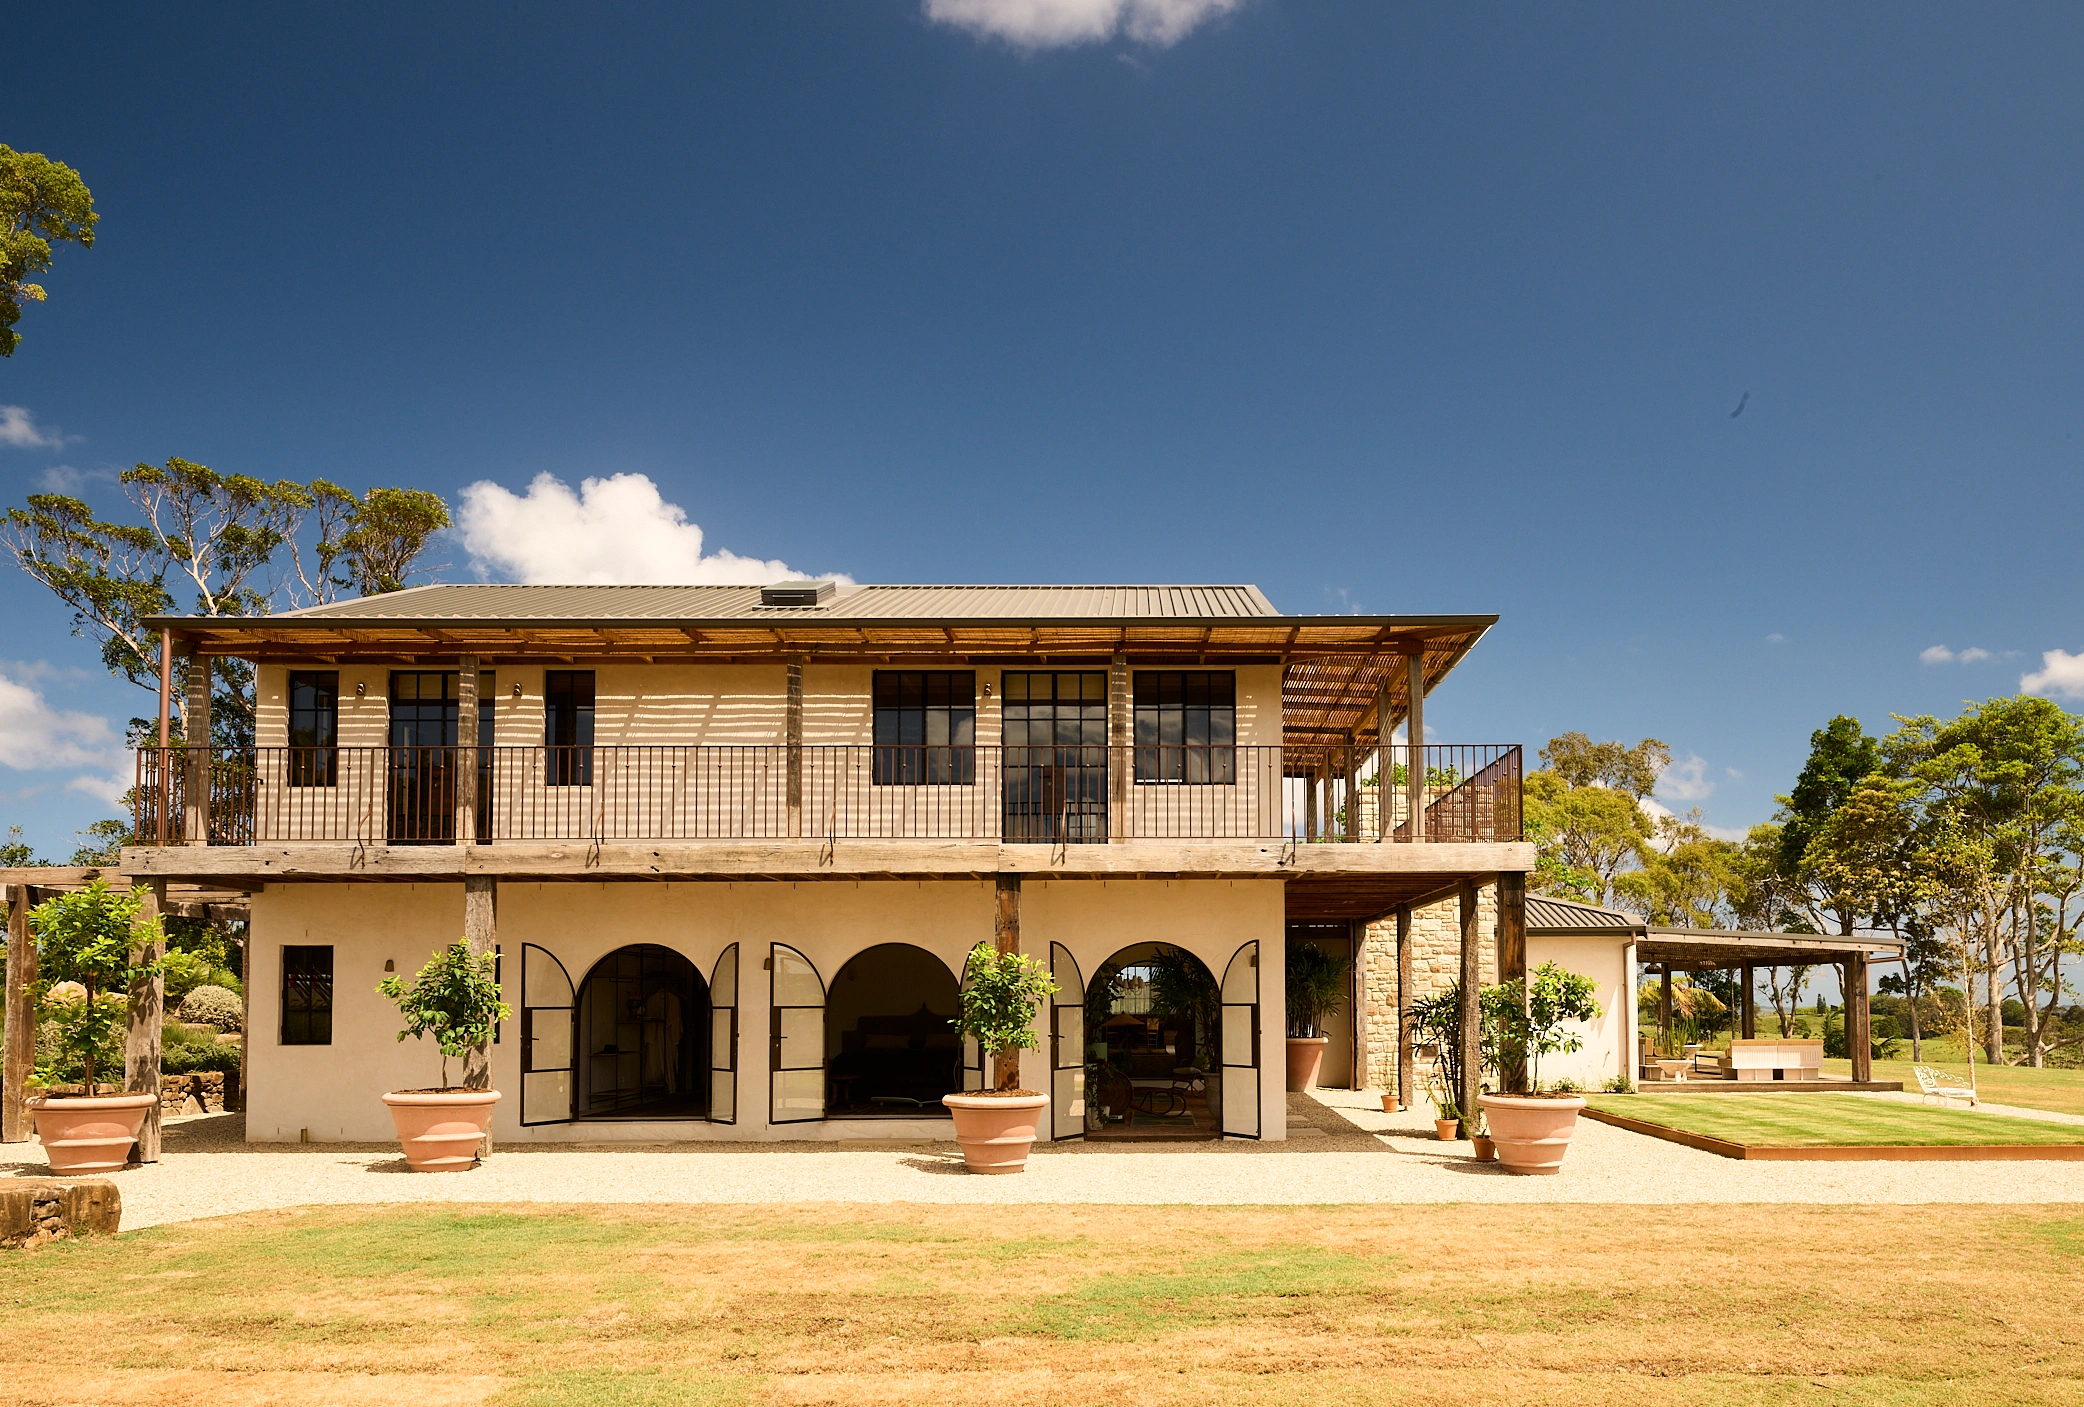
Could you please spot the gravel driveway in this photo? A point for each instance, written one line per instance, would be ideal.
(1339, 1151)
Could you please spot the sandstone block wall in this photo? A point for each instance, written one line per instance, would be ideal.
(1436, 961)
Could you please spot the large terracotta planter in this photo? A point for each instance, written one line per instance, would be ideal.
(88, 1135)
(1305, 1058)
(1532, 1133)
(441, 1130)
(996, 1131)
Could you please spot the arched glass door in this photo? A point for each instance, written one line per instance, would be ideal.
(796, 1040)
(1240, 1041)
(546, 1038)
(1066, 1045)
(723, 1039)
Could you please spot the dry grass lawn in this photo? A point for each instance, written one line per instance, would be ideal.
(907, 1304)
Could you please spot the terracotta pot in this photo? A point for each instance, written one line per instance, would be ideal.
(82, 1134)
(1389, 1104)
(440, 1132)
(1532, 1133)
(1448, 1129)
(1486, 1148)
(1305, 1057)
(996, 1131)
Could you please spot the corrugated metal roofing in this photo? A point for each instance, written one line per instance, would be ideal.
(1547, 915)
(490, 601)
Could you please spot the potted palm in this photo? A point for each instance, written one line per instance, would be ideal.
(455, 999)
(1316, 986)
(996, 1127)
(91, 946)
(1533, 1130)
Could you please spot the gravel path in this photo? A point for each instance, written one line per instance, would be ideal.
(1340, 1151)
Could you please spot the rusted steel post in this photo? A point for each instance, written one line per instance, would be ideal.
(1005, 934)
(20, 1059)
(1415, 740)
(142, 1036)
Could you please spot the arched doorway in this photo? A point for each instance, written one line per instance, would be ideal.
(1153, 1022)
(890, 1051)
(643, 1027)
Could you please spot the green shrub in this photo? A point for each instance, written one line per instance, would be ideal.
(1004, 992)
(93, 939)
(217, 1006)
(454, 998)
(197, 1058)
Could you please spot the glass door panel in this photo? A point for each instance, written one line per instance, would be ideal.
(723, 1039)
(1067, 1045)
(546, 1038)
(797, 1039)
(1240, 1044)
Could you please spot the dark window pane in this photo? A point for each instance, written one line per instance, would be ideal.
(307, 994)
(314, 727)
(1186, 725)
(925, 727)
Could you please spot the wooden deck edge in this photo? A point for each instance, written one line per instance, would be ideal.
(1769, 1087)
(1850, 1153)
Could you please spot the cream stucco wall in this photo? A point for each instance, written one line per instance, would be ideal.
(1606, 1039)
(332, 1092)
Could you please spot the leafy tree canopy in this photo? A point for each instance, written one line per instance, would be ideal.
(42, 202)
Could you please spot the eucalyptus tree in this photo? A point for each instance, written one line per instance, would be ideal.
(42, 202)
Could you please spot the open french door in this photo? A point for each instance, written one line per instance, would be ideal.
(723, 1038)
(796, 1038)
(1066, 1046)
(546, 1038)
(1240, 1043)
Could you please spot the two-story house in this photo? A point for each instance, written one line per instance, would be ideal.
(732, 844)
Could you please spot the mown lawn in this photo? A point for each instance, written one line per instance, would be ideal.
(1076, 1305)
(1829, 1120)
(2059, 1090)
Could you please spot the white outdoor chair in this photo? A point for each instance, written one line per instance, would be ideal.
(1935, 1084)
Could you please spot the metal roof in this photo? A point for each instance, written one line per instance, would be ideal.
(1554, 916)
(485, 602)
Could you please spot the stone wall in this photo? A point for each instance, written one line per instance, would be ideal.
(47, 1209)
(1436, 961)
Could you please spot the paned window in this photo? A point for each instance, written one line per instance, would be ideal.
(1186, 726)
(926, 728)
(307, 994)
(568, 726)
(1055, 728)
(314, 728)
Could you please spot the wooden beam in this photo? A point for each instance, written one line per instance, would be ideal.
(195, 734)
(1407, 1051)
(1664, 1011)
(1349, 829)
(1414, 747)
(793, 737)
(20, 1058)
(467, 749)
(1748, 1003)
(1469, 1010)
(1512, 958)
(1005, 933)
(164, 779)
(142, 1036)
(1858, 1040)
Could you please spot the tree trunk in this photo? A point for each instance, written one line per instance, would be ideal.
(1993, 994)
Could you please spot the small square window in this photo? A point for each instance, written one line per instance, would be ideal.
(307, 994)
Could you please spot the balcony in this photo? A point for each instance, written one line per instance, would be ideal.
(1060, 796)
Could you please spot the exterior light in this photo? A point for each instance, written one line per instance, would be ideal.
(361, 687)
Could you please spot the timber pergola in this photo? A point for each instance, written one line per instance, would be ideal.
(1670, 950)
(27, 887)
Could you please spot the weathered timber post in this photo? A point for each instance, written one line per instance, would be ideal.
(141, 1039)
(1005, 936)
(1407, 1053)
(1512, 962)
(1469, 1011)
(1664, 1011)
(1748, 1006)
(1310, 805)
(195, 733)
(1121, 725)
(1357, 997)
(20, 1060)
(1415, 740)
(480, 931)
(163, 774)
(467, 750)
(793, 737)
(1350, 830)
(1385, 770)
(1859, 1042)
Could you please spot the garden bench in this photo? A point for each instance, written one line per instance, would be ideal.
(1936, 1084)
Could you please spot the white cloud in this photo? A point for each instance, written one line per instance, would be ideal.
(63, 478)
(1734, 774)
(35, 737)
(1776, 638)
(2061, 673)
(18, 430)
(1972, 654)
(1049, 24)
(1687, 780)
(1940, 654)
(613, 531)
(1935, 654)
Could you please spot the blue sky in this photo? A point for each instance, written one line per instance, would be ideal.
(1382, 309)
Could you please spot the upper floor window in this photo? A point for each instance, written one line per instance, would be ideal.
(926, 727)
(307, 994)
(568, 726)
(314, 727)
(1186, 726)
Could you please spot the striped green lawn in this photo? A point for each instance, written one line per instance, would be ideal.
(1829, 1120)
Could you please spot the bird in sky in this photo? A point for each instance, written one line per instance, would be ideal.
(1744, 401)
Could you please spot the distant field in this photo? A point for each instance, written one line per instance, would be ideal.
(1829, 1120)
(2059, 1090)
(1023, 1306)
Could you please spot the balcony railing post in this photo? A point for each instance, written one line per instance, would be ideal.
(1121, 723)
(1350, 830)
(794, 739)
(467, 750)
(1414, 739)
(195, 731)
(162, 782)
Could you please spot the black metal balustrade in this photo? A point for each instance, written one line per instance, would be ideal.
(617, 793)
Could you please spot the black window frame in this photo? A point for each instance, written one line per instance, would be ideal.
(314, 727)
(925, 723)
(568, 715)
(1185, 726)
(307, 995)
(1053, 736)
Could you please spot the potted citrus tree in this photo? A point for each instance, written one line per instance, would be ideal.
(91, 946)
(454, 999)
(1316, 987)
(996, 1127)
(1533, 1130)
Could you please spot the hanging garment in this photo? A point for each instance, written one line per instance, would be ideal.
(662, 1032)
